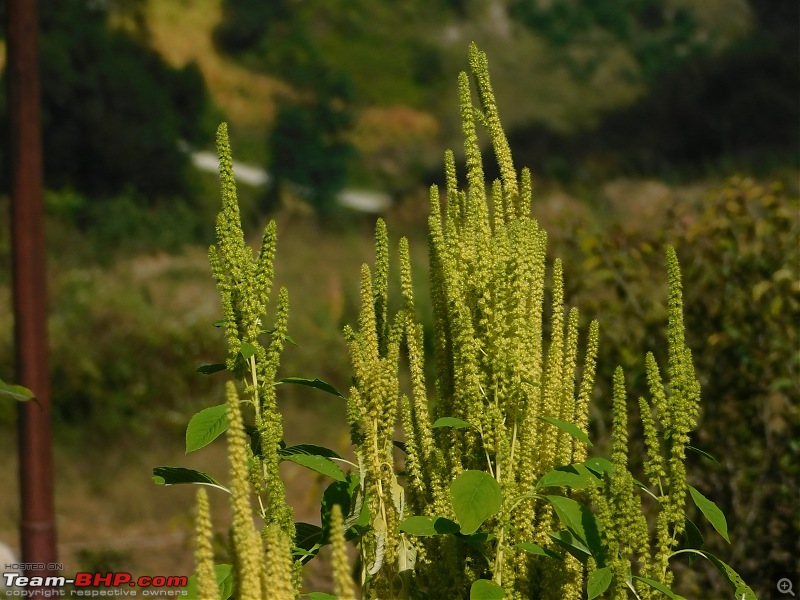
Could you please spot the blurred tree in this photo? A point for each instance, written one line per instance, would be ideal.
(113, 111)
(736, 107)
(659, 35)
(308, 144)
(245, 22)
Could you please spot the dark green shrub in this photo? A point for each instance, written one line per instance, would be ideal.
(113, 111)
(738, 246)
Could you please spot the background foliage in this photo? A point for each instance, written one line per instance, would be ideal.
(113, 110)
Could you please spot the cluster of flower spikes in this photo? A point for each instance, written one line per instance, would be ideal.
(667, 420)
(493, 370)
(264, 566)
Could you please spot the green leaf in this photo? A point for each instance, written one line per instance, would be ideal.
(224, 575)
(570, 514)
(428, 526)
(308, 539)
(711, 512)
(735, 582)
(15, 392)
(348, 495)
(692, 538)
(309, 449)
(476, 496)
(571, 544)
(247, 350)
(536, 549)
(320, 464)
(219, 323)
(575, 476)
(320, 596)
(598, 582)
(483, 589)
(209, 369)
(206, 426)
(702, 453)
(314, 383)
(306, 535)
(570, 428)
(579, 520)
(181, 475)
(400, 445)
(599, 466)
(661, 588)
(450, 422)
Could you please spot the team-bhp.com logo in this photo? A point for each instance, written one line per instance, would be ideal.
(94, 585)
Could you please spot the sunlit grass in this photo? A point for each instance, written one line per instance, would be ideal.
(181, 32)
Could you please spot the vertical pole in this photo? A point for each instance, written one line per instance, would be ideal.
(37, 527)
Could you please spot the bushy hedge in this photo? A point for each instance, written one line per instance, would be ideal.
(738, 245)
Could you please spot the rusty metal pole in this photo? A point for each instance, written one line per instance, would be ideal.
(37, 527)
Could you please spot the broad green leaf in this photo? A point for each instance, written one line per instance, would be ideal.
(314, 383)
(570, 428)
(532, 548)
(308, 539)
(255, 440)
(219, 323)
(180, 475)
(571, 544)
(692, 538)
(320, 464)
(206, 426)
(702, 453)
(476, 539)
(476, 496)
(209, 369)
(483, 589)
(576, 476)
(309, 449)
(735, 582)
(661, 588)
(578, 519)
(347, 494)
(450, 422)
(428, 526)
(307, 535)
(570, 514)
(711, 512)
(599, 466)
(247, 350)
(598, 582)
(15, 392)
(224, 575)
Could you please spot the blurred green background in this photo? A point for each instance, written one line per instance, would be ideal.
(644, 122)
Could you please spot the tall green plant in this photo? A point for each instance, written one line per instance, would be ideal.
(500, 499)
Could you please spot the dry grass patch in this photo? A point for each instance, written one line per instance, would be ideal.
(181, 32)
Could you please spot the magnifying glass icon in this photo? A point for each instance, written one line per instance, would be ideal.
(785, 586)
